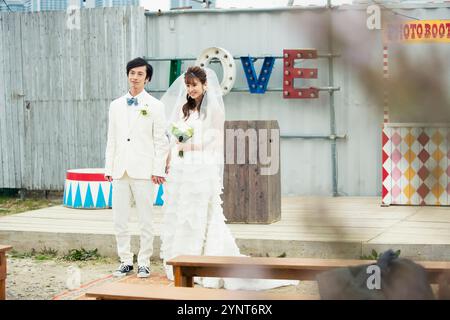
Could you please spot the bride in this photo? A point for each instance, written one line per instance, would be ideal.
(193, 222)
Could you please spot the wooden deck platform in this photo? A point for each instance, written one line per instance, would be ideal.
(323, 227)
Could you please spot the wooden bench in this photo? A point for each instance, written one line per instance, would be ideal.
(3, 250)
(187, 267)
(128, 291)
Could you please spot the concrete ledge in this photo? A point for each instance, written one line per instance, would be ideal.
(25, 241)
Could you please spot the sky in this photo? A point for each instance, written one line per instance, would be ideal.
(154, 5)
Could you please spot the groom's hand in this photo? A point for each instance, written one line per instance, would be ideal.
(158, 180)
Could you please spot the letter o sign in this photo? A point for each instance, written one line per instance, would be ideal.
(227, 62)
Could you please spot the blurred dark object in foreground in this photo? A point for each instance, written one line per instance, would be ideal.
(400, 279)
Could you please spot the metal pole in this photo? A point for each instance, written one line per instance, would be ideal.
(330, 137)
(347, 7)
(238, 10)
(327, 55)
(332, 111)
(245, 89)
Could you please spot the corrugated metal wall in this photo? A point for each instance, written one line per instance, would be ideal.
(56, 84)
(306, 166)
(12, 128)
(69, 77)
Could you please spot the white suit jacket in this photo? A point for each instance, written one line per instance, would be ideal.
(138, 145)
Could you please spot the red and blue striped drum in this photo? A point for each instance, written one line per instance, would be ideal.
(88, 189)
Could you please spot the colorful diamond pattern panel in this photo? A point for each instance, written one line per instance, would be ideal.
(416, 166)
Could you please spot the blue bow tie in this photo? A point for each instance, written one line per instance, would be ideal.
(131, 101)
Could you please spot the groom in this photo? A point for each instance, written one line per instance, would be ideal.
(136, 152)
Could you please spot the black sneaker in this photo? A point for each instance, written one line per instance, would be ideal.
(123, 270)
(143, 272)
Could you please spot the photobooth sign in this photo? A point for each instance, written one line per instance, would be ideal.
(419, 31)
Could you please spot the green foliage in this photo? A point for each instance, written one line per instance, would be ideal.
(374, 255)
(259, 255)
(10, 202)
(81, 255)
(48, 254)
(44, 254)
(22, 255)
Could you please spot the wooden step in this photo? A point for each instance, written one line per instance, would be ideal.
(127, 291)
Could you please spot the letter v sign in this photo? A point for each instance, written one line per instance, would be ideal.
(260, 85)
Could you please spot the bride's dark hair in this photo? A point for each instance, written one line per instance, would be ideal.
(192, 75)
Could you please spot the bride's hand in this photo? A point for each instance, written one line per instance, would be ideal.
(184, 147)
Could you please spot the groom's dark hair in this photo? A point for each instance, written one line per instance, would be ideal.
(139, 62)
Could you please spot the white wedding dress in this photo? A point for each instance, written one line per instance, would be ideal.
(193, 222)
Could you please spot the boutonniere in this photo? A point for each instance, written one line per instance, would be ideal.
(145, 112)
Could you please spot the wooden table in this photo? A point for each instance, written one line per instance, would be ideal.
(187, 267)
(3, 250)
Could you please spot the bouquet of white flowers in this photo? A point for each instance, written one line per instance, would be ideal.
(182, 132)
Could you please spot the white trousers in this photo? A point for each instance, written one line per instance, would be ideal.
(142, 192)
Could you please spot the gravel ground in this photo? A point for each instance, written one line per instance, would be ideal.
(31, 279)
